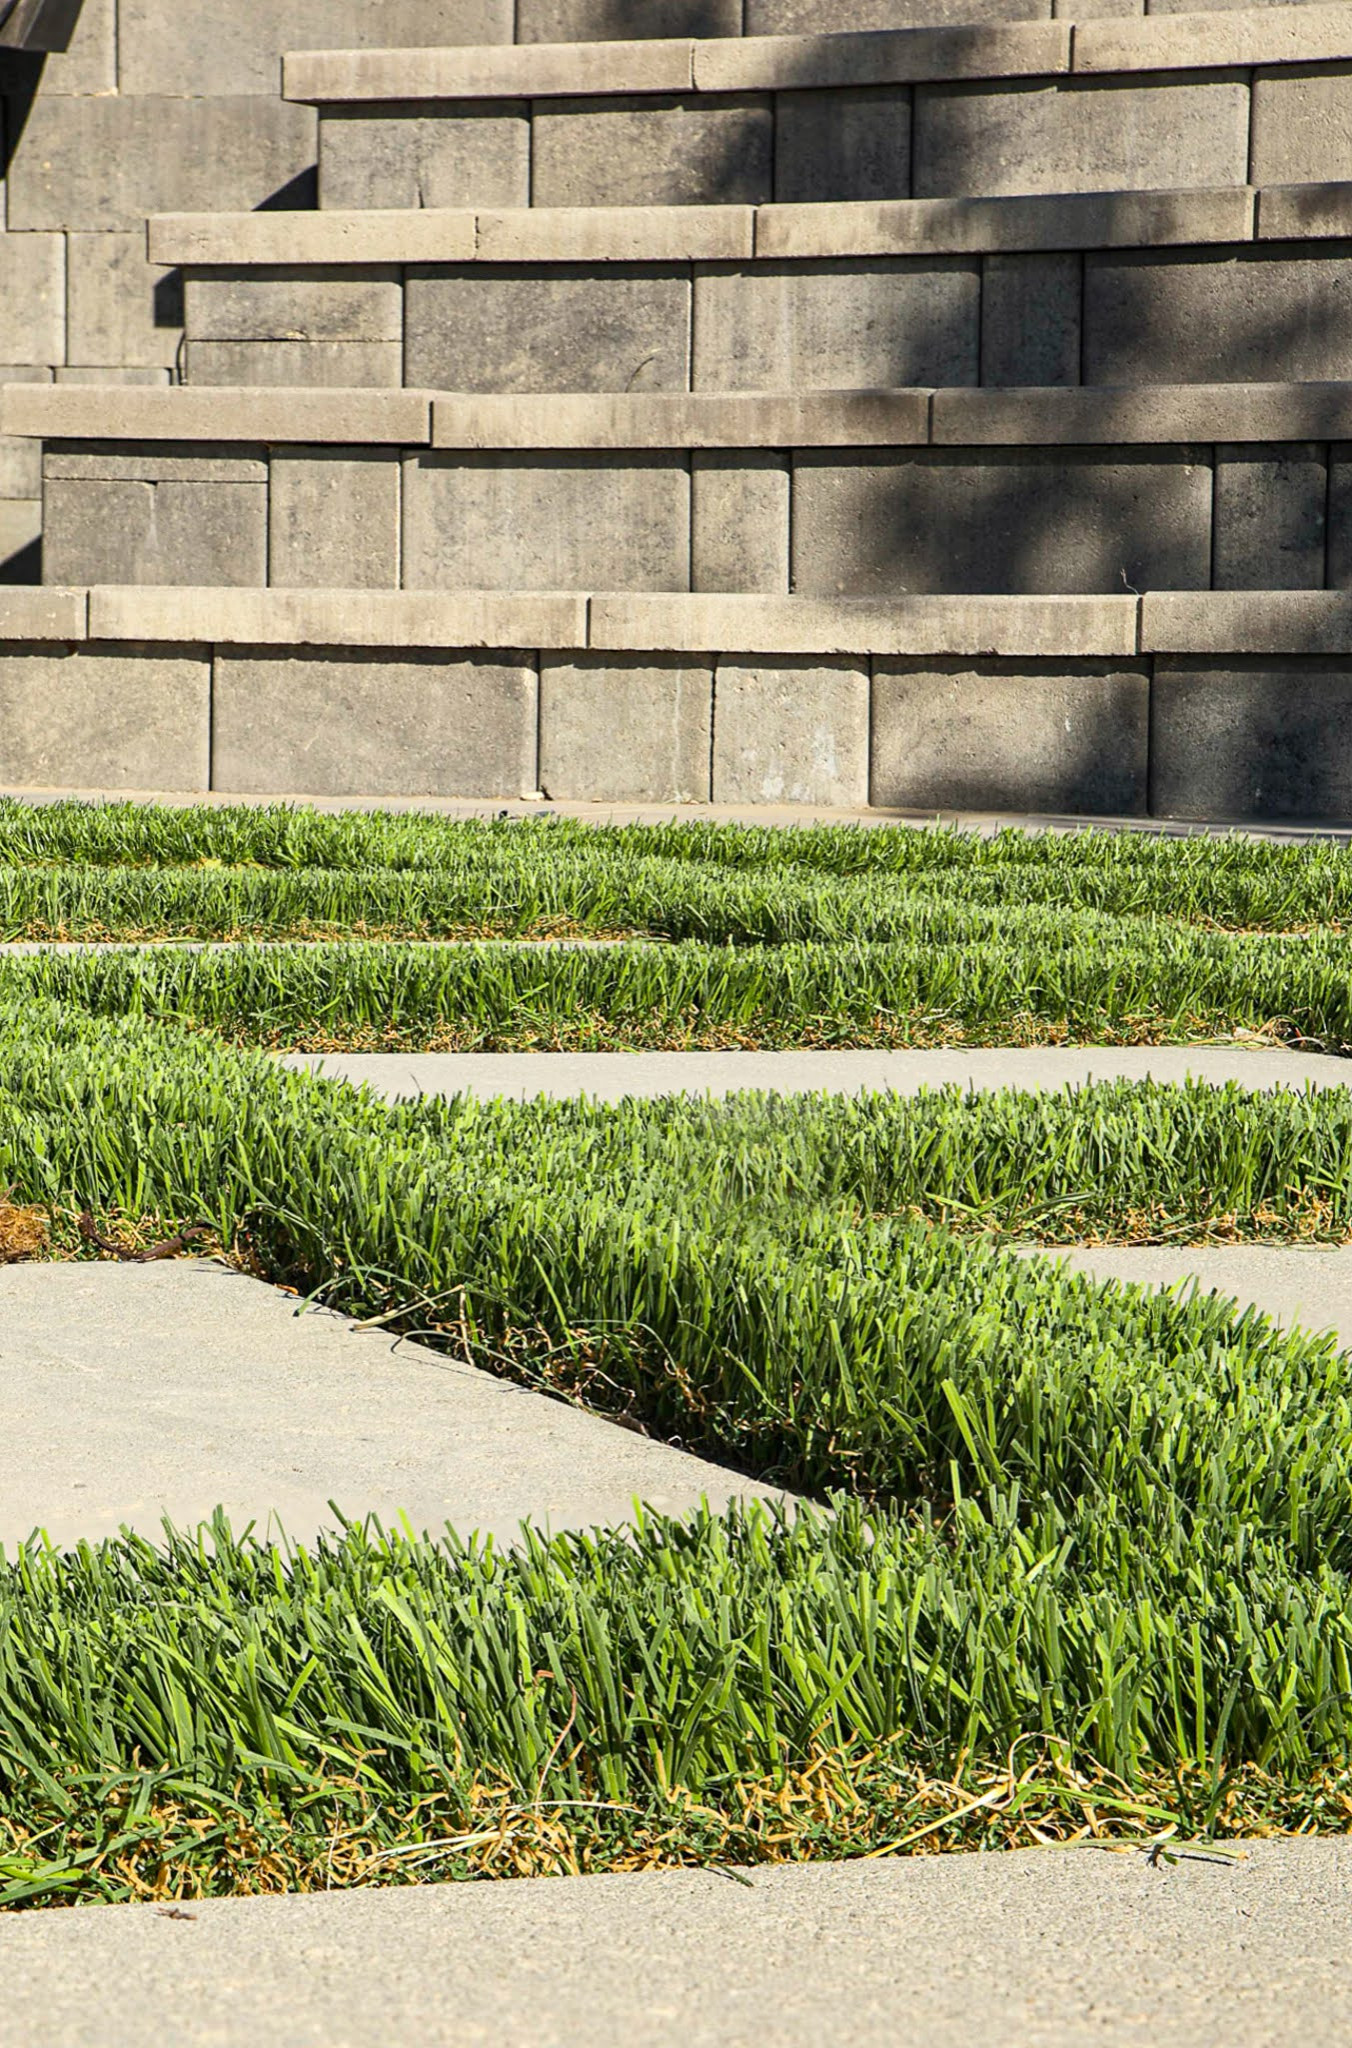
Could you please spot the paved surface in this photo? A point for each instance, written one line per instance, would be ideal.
(1309, 1285)
(129, 1392)
(610, 1076)
(1064, 1947)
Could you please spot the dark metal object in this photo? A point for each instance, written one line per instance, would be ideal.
(38, 24)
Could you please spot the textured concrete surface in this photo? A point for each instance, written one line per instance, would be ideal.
(1066, 1947)
(1309, 1286)
(611, 1076)
(131, 1392)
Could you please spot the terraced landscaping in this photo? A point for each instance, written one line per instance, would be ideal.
(1071, 1556)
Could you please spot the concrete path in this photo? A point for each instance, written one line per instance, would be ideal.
(131, 1392)
(1306, 1285)
(611, 1076)
(1075, 1948)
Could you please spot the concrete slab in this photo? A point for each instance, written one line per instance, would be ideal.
(1307, 1285)
(1067, 1947)
(132, 1392)
(613, 1076)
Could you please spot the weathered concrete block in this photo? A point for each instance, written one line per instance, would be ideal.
(1302, 126)
(29, 613)
(1269, 516)
(1044, 221)
(838, 326)
(395, 417)
(198, 47)
(323, 365)
(1030, 319)
(90, 64)
(751, 420)
(20, 459)
(616, 234)
(652, 152)
(1227, 622)
(840, 17)
(333, 518)
(833, 146)
(97, 163)
(1004, 735)
(1338, 561)
(1217, 316)
(625, 729)
(1206, 40)
(1075, 137)
(1034, 626)
(513, 71)
(317, 618)
(311, 304)
(1027, 49)
(32, 298)
(1291, 213)
(142, 532)
(1252, 740)
(164, 463)
(740, 521)
(112, 373)
(319, 724)
(20, 539)
(124, 717)
(547, 522)
(1144, 414)
(1005, 520)
(791, 732)
(621, 328)
(408, 154)
(290, 241)
(121, 308)
(604, 21)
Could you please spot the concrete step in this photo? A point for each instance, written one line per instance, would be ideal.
(1203, 706)
(1110, 288)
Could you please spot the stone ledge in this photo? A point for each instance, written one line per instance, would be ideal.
(1148, 413)
(907, 625)
(1247, 622)
(1224, 39)
(826, 419)
(1296, 213)
(338, 618)
(615, 234)
(234, 240)
(43, 614)
(252, 414)
(1018, 49)
(1076, 220)
(489, 71)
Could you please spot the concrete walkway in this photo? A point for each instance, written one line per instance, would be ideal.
(1076, 1948)
(611, 1076)
(131, 1392)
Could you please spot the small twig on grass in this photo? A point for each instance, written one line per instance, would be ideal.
(169, 1249)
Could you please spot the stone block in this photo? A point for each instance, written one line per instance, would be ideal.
(307, 365)
(547, 522)
(1225, 317)
(842, 146)
(510, 72)
(1069, 626)
(1030, 319)
(43, 614)
(90, 64)
(160, 463)
(1302, 127)
(289, 240)
(109, 718)
(20, 459)
(198, 47)
(879, 57)
(1252, 741)
(577, 329)
(317, 303)
(121, 308)
(112, 373)
(625, 729)
(652, 152)
(317, 724)
(1269, 516)
(700, 419)
(140, 532)
(841, 17)
(739, 513)
(791, 732)
(1043, 221)
(239, 415)
(1003, 735)
(410, 155)
(333, 518)
(1296, 212)
(1209, 40)
(95, 163)
(332, 618)
(617, 234)
(1246, 622)
(32, 298)
(602, 21)
(20, 540)
(1143, 413)
(1080, 137)
(838, 326)
(1005, 520)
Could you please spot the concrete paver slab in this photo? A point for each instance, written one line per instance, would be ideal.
(131, 1392)
(1067, 1947)
(1305, 1285)
(611, 1076)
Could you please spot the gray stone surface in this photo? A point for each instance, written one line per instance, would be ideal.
(413, 724)
(21, 460)
(616, 728)
(1010, 735)
(1008, 520)
(972, 50)
(90, 63)
(1301, 126)
(1246, 622)
(128, 1393)
(842, 146)
(1251, 739)
(411, 155)
(199, 47)
(128, 721)
(623, 328)
(32, 298)
(547, 522)
(585, 21)
(1042, 221)
(1209, 40)
(1077, 137)
(652, 152)
(823, 326)
(739, 510)
(836, 17)
(1308, 1286)
(1030, 318)
(1338, 563)
(148, 532)
(316, 303)
(555, 235)
(135, 416)
(121, 308)
(1270, 517)
(1024, 1949)
(290, 618)
(333, 518)
(1221, 316)
(363, 235)
(792, 731)
(107, 162)
(1054, 626)
(299, 365)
